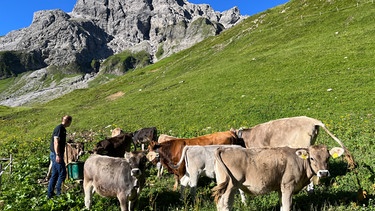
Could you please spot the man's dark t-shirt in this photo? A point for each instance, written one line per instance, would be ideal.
(59, 131)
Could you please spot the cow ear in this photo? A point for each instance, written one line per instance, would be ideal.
(336, 152)
(302, 154)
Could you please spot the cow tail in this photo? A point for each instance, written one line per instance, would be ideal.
(181, 159)
(219, 189)
(348, 156)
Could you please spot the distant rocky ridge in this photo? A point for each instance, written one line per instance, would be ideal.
(93, 31)
(96, 29)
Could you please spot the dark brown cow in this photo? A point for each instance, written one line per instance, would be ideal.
(259, 171)
(145, 135)
(115, 146)
(169, 152)
(115, 177)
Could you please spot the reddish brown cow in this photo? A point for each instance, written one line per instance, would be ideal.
(169, 152)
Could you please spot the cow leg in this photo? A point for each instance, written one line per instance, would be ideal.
(286, 198)
(160, 169)
(49, 171)
(123, 199)
(226, 201)
(88, 190)
(176, 182)
(184, 182)
(193, 183)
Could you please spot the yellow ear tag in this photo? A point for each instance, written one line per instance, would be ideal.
(335, 155)
(304, 156)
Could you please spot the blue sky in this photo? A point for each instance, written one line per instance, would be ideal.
(19, 14)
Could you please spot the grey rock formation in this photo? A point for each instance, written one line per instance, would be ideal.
(32, 88)
(96, 29)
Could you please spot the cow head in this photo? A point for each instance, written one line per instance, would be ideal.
(152, 156)
(101, 147)
(77, 149)
(137, 161)
(318, 156)
(117, 131)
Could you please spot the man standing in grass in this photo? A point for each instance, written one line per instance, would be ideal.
(57, 148)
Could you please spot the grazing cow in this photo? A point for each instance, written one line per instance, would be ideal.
(115, 177)
(115, 146)
(73, 150)
(170, 151)
(199, 160)
(259, 171)
(294, 132)
(162, 138)
(145, 135)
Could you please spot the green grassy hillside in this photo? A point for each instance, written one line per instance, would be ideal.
(312, 58)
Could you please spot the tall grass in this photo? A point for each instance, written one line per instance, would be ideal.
(312, 58)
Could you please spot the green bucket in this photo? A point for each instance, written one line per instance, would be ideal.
(75, 170)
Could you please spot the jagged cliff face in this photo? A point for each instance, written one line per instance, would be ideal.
(96, 29)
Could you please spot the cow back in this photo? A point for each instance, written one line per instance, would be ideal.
(295, 132)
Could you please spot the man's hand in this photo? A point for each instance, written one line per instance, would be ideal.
(58, 159)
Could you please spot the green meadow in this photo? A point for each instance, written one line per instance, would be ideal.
(305, 58)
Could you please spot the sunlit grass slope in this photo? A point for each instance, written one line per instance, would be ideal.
(313, 58)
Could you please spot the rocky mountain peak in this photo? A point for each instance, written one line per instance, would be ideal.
(96, 29)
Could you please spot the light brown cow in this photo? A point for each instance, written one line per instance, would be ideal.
(115, 177)
(73, 150)
(294, 132)
(258, 171)
(169, 152)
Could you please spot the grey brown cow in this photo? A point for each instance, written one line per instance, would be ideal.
(115, 177)
(258, 171)
(199, 161)
(145, 135)
(294, 132)
(170, 151)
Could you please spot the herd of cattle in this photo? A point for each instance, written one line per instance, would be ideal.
(278, 155)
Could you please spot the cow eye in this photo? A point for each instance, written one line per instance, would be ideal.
(312, 159)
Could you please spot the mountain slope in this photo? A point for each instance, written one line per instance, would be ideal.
(312, 58)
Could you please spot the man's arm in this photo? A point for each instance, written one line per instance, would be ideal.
(56, 147)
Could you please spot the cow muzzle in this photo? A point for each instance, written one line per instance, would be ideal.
(323, 173)
(136, 172)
